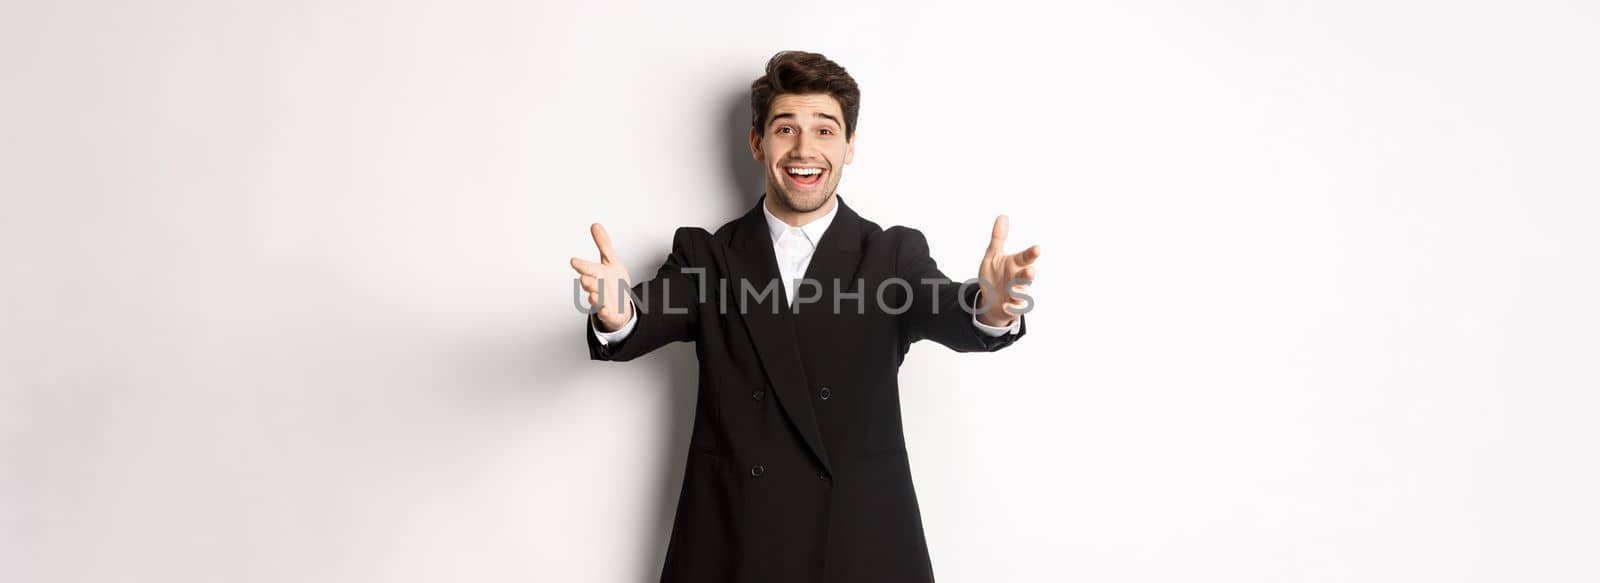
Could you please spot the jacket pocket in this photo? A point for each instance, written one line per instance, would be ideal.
(706, 540)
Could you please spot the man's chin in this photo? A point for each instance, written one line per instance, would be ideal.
(803, 203)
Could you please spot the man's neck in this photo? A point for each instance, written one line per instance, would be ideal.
(798, 219)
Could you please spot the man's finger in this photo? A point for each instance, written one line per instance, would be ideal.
(586, 267)
(997, 236)
(603, 242)
(1026, 257)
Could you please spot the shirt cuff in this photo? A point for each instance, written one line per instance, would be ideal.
(1015, 326)
(618, 336)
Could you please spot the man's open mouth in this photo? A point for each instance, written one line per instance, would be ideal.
(804, 176)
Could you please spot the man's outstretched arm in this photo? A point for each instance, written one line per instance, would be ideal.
(623, 330)
(943, 310)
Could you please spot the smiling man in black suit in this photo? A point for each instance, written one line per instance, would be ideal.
(801, 312)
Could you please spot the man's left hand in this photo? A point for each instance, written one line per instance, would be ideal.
(1002, 275)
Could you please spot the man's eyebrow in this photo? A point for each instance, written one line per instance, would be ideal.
(791, 115)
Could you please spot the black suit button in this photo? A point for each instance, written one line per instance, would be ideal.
(758, 395)
(756, 471)
(823, 475)
(826, 393)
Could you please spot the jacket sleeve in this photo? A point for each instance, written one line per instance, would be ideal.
(939, 307)
(666, 306)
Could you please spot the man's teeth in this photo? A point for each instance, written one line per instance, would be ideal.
(805, 171)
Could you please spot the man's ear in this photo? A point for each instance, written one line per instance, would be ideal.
(755, 144)
(850, 147)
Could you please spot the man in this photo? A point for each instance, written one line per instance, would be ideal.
(801, 312)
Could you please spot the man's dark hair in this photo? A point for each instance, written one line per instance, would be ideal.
(799, 72)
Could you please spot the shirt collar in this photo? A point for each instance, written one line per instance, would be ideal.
(813, 230)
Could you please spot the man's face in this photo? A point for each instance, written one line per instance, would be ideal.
(803, 149)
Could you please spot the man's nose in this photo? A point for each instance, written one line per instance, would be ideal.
(805, 145)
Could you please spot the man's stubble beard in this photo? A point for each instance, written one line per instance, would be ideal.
(792, 203)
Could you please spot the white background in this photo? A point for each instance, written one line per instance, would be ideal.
(286, 296)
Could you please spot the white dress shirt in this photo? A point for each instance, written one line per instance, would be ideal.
(794, 246)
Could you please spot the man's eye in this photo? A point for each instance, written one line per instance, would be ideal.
(827, 132)
(784, 129)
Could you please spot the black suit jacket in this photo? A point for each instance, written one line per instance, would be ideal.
(797, 468)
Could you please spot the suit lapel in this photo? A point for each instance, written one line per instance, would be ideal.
(836, 258)
(751, 259)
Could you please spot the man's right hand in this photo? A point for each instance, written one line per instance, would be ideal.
(615, 308)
